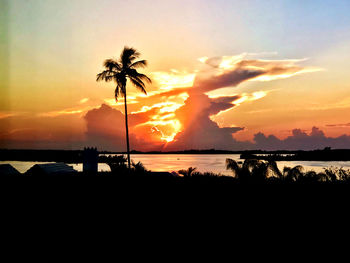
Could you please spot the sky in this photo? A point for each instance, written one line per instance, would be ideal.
(229, 75)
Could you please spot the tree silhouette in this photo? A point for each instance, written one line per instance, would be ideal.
(253, 170)
(189, 172)
(120, 71)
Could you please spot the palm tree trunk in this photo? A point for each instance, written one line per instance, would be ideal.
(127, 130)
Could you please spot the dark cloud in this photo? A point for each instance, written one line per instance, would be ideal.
(106, 130)
(242, 70)
(221, 104)
(228, 79)
(300, 140)
(339, 125)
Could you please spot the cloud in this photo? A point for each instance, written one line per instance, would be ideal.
(84, 100)
(339, 125)
(233, 70)
(105, 129)
(61, 112)
(7, 114)
(199, 131)
(227, 79)
(300, 140)
(173, 79)
(31, 131)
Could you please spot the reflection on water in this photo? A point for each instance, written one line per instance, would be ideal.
(216, 162)
(174, 162)
(204, 163)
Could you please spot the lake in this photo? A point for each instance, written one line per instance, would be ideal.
(204, 163)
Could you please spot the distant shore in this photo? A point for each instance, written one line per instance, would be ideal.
(76, 156)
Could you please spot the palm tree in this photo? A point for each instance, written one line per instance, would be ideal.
(189, 172)
(120, 71)
(254, 170)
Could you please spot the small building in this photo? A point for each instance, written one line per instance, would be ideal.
(8, 170)
(51, 169)
(90, 160)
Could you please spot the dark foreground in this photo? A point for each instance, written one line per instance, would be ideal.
(124, 211)
(149, 184)
(138, 198)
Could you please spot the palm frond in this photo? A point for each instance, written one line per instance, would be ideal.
(250, 164)
(138, 84)
(190, 170)
(112, 64)
(286, 170)
(117, 93)
(119, 70)
(143, 77)
(139, 64)
(233, 166)
(131, 72)
(274, 168)
(298, 168)
(128, 55)
(120, 79)
(106, 75)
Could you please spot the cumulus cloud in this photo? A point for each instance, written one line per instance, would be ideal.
(229, 71)
(105, 129)
(227, 79)
(199, 131)
(300, 140)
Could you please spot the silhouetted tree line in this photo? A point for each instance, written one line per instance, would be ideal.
(249, 171)
(253, 170)
(326, 154)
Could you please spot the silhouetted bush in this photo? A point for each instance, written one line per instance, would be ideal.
(253, 170)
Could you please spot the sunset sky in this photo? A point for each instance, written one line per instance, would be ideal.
(235, 75)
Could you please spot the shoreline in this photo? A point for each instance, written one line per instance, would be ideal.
(76, 156)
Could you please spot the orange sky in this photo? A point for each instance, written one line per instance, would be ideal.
(209, 85)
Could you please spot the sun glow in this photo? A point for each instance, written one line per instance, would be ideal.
(163, 119)
(229, 62)
(250, 97)
(113, 102)
(175, 79)
(163, 107)
(163, 127)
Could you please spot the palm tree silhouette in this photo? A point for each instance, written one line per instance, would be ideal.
(121, 70)
(253, 169)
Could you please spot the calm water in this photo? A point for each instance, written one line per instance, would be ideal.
(204, 163)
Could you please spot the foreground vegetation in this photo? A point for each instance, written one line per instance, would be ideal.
(249, 171)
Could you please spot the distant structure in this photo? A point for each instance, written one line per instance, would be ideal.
(51, 169)
(90, 160)
(8, 170)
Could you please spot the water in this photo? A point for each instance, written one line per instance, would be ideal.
(216, 162)
(204, 163)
